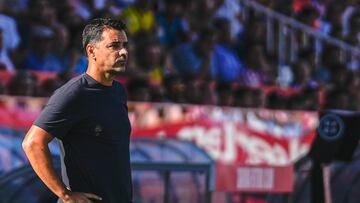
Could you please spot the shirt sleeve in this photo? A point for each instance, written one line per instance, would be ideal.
(60, 113)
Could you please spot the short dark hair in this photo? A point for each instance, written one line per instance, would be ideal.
(92, 32)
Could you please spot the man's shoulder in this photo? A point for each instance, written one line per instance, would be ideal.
(73, 82)
(71, 88)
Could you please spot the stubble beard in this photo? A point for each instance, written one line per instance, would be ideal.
(117, 71)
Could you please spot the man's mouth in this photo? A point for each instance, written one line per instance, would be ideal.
(121, 62)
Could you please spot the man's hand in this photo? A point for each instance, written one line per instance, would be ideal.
(80, 197)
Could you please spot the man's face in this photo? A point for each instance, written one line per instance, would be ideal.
(111, 52)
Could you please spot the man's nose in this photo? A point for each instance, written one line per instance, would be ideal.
(123, 51)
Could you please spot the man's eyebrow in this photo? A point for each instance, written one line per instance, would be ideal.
(113, 43)
(118, 42)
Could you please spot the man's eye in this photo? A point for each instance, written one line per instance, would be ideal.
(115, 46)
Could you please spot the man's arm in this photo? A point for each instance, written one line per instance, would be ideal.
(35, 145)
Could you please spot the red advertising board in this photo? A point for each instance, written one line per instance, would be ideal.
(228, 135)
(254, 179)
(254, 149)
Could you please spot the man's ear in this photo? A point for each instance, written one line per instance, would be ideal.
(90, 50)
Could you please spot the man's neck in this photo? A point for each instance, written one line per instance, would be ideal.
(102, 78)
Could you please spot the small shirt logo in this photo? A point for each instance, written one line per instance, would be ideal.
(98, 130)
(331, 127)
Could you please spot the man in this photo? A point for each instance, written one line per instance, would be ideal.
(89, 116)
(195, 59)
(5, 61)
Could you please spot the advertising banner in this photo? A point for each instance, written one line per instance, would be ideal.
(228, 135)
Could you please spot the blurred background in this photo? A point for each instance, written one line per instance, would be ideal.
(223, 95)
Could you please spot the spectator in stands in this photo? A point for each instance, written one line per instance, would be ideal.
(339, 98)
(80, 9)
(195, 59)
(311, 96)
(9, 26)
(309, 16)
(10, 38)
(42, 14)
(225, 94)
(306, 99)
(139, 16)
(14, 7)
(259, 98)
(354, 29)
(339, 77)
(331, 22)
(322, 6)
(48, 86)
(195, 14)
(286, 74)
(73, 15)
(208, 94)
(259, 70)
(102, 8)
(210, 56)
(255, 32)
(172, 27)
(227, 64)
(276, 100)
(150, 62)
(23, 84)
(330, 56)
(350, 6)
(200, 92)
(5, 61)
(295, 7)
(193, 91)
(199, 14)
(231, 10)
(76, 49)
(282, 6)
(302, 71)
(353, 83)
(250, 97)
(175, 89)
(296, 102)
(139, 90)
(67, 55)
(158, 93)
(243, 97)
(307, 54)
(123, 3)
(40, 57)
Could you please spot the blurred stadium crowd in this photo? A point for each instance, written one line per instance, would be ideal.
(198, 52)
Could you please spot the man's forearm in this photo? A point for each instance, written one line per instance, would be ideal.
(40, 160)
